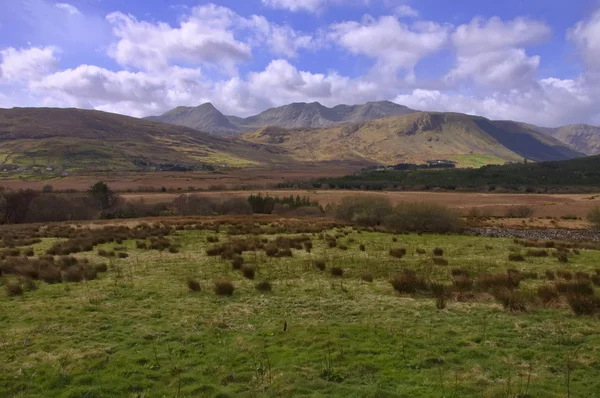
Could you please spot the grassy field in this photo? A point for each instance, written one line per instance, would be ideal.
(139, 331)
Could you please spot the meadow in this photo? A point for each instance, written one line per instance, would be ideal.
(262, 306)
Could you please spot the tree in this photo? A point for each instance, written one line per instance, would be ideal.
(14, 205)
(102, 195)
(594, 217)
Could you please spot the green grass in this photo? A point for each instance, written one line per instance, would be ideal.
(138, 331)
(476, 160)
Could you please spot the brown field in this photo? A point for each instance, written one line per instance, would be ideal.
(559, 205)
(254, 177)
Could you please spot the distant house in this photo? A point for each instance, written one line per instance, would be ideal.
(64, 174)
(441, 164)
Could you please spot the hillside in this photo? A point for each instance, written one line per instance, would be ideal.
(76, 139)
(581, 137)
(203, 118)
(417, 137)
(298, 115)
(574, 175)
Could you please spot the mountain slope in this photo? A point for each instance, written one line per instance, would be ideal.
(417, 137)
(203, 118)
(581, 137)
(297, 115)
(77, 139)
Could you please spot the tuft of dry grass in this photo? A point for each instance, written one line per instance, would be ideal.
(438, 252)
(408, 282)
(440, 261)
(224, 287)
(264, 286)
(13, 289)
(320, 264)
(193, 285)
(367, 278)
(248, 271)
(398, 252)
(337, 271)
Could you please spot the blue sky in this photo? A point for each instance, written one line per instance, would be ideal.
(531, 60)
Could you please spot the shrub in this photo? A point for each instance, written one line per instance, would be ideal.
(521, 211)
(583, 304)
(462, 283)
(248, 272)
(50, 274)
(264, 286)
(224, 287)
(498, 281)
(337, 271)
(408, 282)
(367, 278)
(440, 261)
(362, 247)
(547, 293)
(423, 217)
(193, 285)
(363, 210)
(398, 252)
(237, 262)
(511, 300)
(579, 287)
(438, 252)
(13, 289)
(537, 253)
(594, 217)
(516, 257)
(320, 264)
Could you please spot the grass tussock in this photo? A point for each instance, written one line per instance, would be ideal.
(264, 286)
(398, 252)
(408, 282)
(249, 272)
(224, 287)
(193, 285)
(337, 271)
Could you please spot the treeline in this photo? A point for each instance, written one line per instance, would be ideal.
(576, 175)
(100, 202)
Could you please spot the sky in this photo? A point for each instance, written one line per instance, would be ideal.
(536, 61)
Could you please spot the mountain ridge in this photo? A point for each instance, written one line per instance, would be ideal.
(207, 118)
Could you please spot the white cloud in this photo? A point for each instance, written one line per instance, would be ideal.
(393, 44)
(490, 53)
(27, 64)
(406, 11)
(296, 5)
(70, 9)
(204, 37)
(494, 34)
(586, 36)
(281, 40)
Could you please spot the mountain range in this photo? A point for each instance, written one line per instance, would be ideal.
(297, 115)
(580, 137)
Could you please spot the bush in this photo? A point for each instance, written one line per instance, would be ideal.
(408, 282)
(423, 217)
(337, 271)
(398, 252)
(248, 272)
(363, 210)
(264, 286)
(594, 217)
(583, 304)
(463, 283)
(362, 247)
(547, 293)
(13, 289)
(193, 285)
(224, 287)
(521, 211)
(516, 257)
(440, 261)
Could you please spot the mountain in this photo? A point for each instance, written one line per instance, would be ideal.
(297, 115)
(471, 141)
(77, 139)
(581, 137)
(203, 118)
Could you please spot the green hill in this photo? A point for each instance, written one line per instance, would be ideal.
(76, 139)
(414, 138)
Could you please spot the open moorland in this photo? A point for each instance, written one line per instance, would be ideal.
(263, 306)
(559, 205)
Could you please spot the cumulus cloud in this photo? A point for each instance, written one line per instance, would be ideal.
(27, 64)
(282, 40)
(393, 44)
(204, 37)
(586, 36)
(296, 5)
(490, 52)
(406, 11)
(70, 9)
